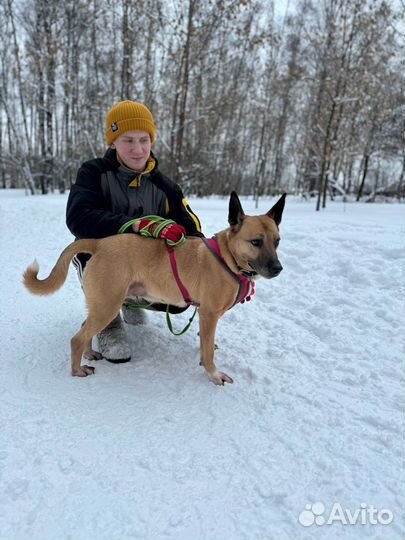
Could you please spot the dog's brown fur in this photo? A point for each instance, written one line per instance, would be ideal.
(127, 264)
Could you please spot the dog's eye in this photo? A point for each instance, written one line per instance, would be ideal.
(257, 243)
(276, 242)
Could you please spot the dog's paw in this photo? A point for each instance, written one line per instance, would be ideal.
(219, 378)
(92, 355)
(83, 371)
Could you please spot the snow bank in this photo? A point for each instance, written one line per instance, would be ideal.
(153, 450)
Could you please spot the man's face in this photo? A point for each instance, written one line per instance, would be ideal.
(134, 149)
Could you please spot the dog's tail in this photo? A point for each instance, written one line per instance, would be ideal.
(57, 277)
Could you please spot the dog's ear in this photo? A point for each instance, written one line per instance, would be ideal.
(277, 210)
(236, 213)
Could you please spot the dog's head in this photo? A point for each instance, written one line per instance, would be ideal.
(253, 240)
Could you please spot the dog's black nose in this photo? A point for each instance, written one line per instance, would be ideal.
(275, 270)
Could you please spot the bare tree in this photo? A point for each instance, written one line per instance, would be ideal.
(243, 99)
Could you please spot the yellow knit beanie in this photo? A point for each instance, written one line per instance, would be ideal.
(127, 116)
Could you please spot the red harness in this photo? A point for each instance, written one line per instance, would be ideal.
(186, 295)
(246, 285)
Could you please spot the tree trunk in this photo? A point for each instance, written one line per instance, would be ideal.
(363, 180)
(50, 98)
(127, 52)
(185, 83)
(326, 185)
(19, 76)
(2, 171)
(401, 180)
(325, 158)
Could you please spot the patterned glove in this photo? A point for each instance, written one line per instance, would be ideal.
(157, 227)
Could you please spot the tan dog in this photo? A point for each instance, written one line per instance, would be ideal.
(128, 265)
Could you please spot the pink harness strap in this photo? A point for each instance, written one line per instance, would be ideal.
(246, 285)
(186, 295)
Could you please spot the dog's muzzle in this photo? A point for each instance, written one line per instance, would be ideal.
(275, 270)
(269, 271)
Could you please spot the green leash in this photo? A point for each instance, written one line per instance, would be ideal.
(131, 305)
(169, 322)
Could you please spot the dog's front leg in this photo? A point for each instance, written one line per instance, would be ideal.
(208, 325)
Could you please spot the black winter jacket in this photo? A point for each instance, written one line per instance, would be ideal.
(107, 195)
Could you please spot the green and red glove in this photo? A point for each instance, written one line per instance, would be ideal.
(158, 227)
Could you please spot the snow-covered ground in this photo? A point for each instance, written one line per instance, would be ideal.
(152, 450)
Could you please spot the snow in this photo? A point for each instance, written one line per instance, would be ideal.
(153, 450)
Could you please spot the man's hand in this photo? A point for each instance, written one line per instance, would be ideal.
(165, 229)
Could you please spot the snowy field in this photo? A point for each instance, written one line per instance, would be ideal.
(152, 450)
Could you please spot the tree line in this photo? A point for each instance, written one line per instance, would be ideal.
(311, 101)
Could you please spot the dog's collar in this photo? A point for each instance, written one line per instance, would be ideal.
(246, 284)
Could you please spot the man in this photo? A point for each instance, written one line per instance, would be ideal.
(112, 191)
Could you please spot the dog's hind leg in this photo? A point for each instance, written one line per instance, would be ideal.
(89, 353)
(81, 342)
(77, 345)
(208, 324)
(98, 318)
